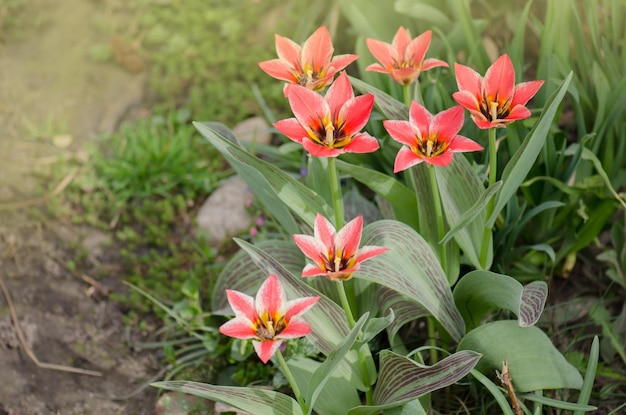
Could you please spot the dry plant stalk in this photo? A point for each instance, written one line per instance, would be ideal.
(507, 383)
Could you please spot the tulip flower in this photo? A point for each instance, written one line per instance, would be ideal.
(336, 255)
(403, 59)
(494, 101)
(311, 65)
(330, 125)
(269, 319)
(428, 138)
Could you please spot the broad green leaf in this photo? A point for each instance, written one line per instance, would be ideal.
(402, 380)
(534, 363)
(404, 309)
(388, 105)
(337, 396)
(255, 401)
(413, 407)
(270, 182)
(411, 268)
(401, 198)
(376, 325)
(322, 374)
(241, 274)
(474, 211)
(422, 11)
(522, 161)
(461, 190)
(217, 135)
(478, 292)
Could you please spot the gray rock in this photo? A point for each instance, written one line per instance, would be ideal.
(253, 130)
(224, 213)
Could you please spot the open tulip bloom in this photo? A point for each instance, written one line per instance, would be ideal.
(335, 255)
(269, 319)
(428, 138)
(330, 125)
(494, 101)
(312, 65)
(403, 59)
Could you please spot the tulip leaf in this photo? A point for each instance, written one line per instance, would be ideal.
(411, 269)
(479, 292)
(402, 199)
(461, 191)
(253, 400)
(473, 212)
(402, 379)
(495, 391)
(338, 394)
(376, 325)
(241, 274)
(522, 161)
(404, 311)
(275, 188)
(555, 403)
(534, 362)
(322, 374)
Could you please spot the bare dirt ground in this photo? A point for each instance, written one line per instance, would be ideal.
(53, 100)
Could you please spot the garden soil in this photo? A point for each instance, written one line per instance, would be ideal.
(55, 99)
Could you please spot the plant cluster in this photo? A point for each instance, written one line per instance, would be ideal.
(432, 258)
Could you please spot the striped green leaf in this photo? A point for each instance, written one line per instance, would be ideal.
(255, 401)
(411, 269)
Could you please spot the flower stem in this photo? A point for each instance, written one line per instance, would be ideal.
(292, 382)
(406, 90)
(336, 193)
(345, 303)
(493, 170)
(430, 321)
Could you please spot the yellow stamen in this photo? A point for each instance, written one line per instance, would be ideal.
(493, 110)
(330, 136)
(337, 263)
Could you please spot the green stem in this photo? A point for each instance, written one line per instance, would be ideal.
(345, 303)
(493, 170)
(442, 255)
(406, 91)
(292, 381)
(336, 193)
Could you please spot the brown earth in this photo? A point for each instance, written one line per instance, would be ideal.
(54, 99)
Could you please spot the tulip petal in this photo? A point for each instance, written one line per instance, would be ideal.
(482, 123)
(288, 50)
(317, 49)
(362, 143)
(299, 306)
(311, 270)
(339, 93)
(500, 79)
(461, 143)
(296, 328)
(355, 113)
(349, 237)
(405, 75)
(433, 63)
(376, 67)
(292, 129)
(518, 113)
(320, 151)
(442, 160)
(266, 349)
(270, 298)
(448, 123)
(405, 159)
(420, 118)
(279, 69)
(468, 80)
(524, 92)
(239, 328)
(416, 49)
(382, 51)
(306, 105)
(400, 43)
(242, 304)
(401, 131)
(312, 247)
(325, 232)
(339, 62)
(367, 252)
(466, 99)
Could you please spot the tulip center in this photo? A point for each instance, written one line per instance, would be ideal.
(495, 109)
(328, 134)
(336, 262)
(430, 147)
(268, 328)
